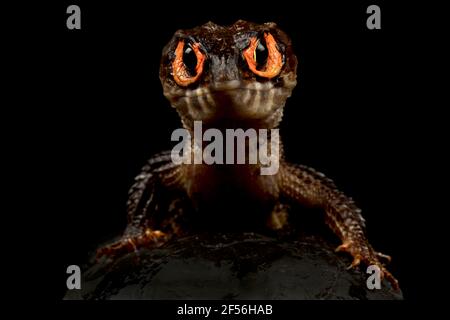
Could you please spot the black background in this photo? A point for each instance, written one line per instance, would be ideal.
(350, 115)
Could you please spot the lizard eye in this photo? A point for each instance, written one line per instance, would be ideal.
(263, 57)
(188, 63)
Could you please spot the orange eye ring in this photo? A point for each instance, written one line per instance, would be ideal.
(274, 58)
(179, 70)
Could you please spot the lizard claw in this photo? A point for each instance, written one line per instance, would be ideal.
(151, 238)
(389, 277)
(356, 262)
(366, 255)
(384, 256)
(343, 247)
(123, 245)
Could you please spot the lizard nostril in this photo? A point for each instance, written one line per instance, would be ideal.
(224, 69)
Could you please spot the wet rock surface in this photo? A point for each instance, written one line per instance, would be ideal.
(230, 266)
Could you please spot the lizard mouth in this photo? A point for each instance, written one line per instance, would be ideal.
(221, 87)
(235, 100)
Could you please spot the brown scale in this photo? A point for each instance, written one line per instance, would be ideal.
(237, 76)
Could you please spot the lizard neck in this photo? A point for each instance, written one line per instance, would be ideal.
(222, 184)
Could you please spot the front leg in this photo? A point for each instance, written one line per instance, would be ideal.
(150, 207)
(308, 187)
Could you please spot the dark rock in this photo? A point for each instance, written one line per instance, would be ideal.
(229, 266)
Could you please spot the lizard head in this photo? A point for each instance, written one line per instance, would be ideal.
(234, 75)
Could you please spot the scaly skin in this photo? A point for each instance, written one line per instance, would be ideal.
(226, 88)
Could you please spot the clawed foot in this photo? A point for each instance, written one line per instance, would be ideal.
(365, 255)
(127, 244)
